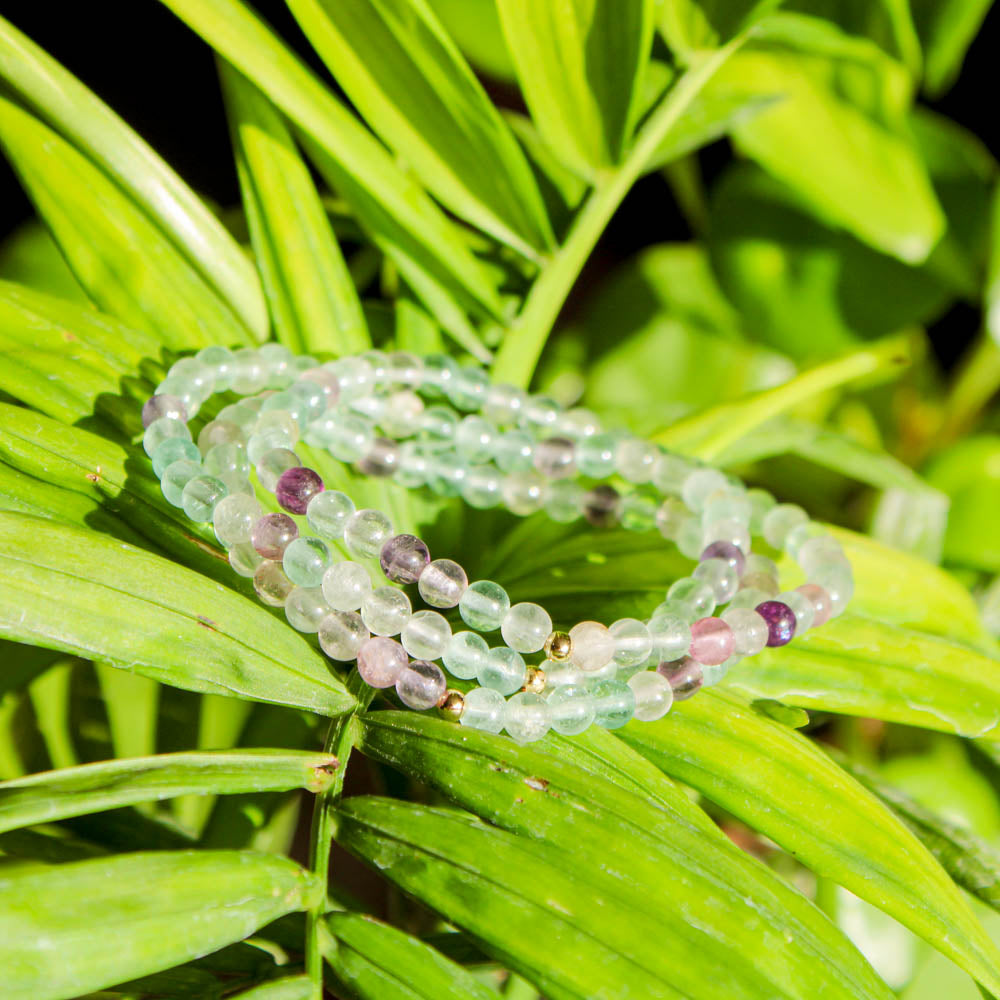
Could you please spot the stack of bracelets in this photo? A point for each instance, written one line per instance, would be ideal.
(490, 444)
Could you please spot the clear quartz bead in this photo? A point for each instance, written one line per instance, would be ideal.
(527, 717)
(633, 643)
(346, 585)
(484, 605)
(426, 635)
(366, 531)
(526, 626)
(653, 695)
(442, 583)
(342, 634)
(593, 645)
(306, 608)
(386, 610)
(484, 709)
(572, 709)
(503, 671)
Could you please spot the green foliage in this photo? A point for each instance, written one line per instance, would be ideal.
(160, 729)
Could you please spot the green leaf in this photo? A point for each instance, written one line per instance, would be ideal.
(946, 29)
(69, 589)
(288, 988)
(30, 257)
(407, 78)
(313, 301)
(123, 261)
(378, 962)
(580, 65)
(73, 791)
(95, 130)
(387, 202)
(784, 786)
(475, 26)
(157, 910)
(577, 866)
(131, 703)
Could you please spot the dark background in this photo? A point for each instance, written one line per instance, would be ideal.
(161, 78)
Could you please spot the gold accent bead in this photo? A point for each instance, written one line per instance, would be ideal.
(534, 680)
(451, 705)
(558, 646)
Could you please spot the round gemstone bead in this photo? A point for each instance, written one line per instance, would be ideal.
(271, 584)
(465, 655)
(421, 685)
(328, 513)
(838, 582)
(819, 552)
(728, 552)
(234, 517)
(342, 634)
(381, 661)
(593, 646)
(244, 559)
(820, 602)
(483, 487)
(638, 513)
(386, 610)
(503, 404)
(227, 459)
(503, 671)
(523, 493)
(653, 695)
(438, 426)
(695, 596)
(729, 530)
(426, 635)
(200, 495)
(442, 583)
(173, 450)
(540, 411)
(555, 457)
(670, 516)
(345, 585)
(164, 405)
(513, 451)
(757, 563)
(602, 506)
(272, 534)
(685, 676)
(750, 597)
(633, 643)
(484, 709)
(219, 432)
(759, 582)
(526, 626)
(269, 439)
(635, 459)
(346, 436)
(273, 464)
(760, 503)
(403, 558)
(711, 641)
(699, 485)
(381, 460)
(306, 608)
(296, 488)
(474, 439)
(670, 472)
(720, 576)
(564, 501)
(780, 520)
(401, 417)
(614, 703)
(366, 531)
(801, 607)
(671, 635)
(750, 631)
(690, 538)
(527, 717)
(780, 621)
(161, 430)
(484, 605)
(572, 709)
(305, 561)
(175, 477)
(468, 388)
(596, 455)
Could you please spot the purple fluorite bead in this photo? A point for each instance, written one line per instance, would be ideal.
(163, 405)
(382, 459)
(296, 488)
(403, 558)
(780, 621)
(272, 534)
(602, 506)
(685, 676)
(733, 555)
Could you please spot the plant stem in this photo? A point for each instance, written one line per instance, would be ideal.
(977, 381)
(522, 346)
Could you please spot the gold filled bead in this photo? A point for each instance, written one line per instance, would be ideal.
(558, 646)
(534, 680)
(451, 705)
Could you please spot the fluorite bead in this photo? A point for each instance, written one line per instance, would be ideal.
(244, 559)
(731, 531)
(523, 493)
(354, 375)
(602, 506)
(261, 442)
(690, 538)
(305, 561)
(633, 643)
(328, 513)
(750, 631)
(820, 602)
(696, 596)
(161, 430)
(699, 485)
(366, 531)
(595, 455)
(540, 411)
(756, 563)
(200, 495)
(173, 450)
(760, 582)
(801, 607)
(614, 703)
(386, 610)
(446, 474)
(438, 426)
(555, 457)
(442, 583)
(439, 372)
(327, 383)
(638, 513)
(273, 464)
(780, 621)
(684, 675)
(484, 605)
(750, 597)
(711, 641)
(527, 717)
(577, 423)
(403, 558)
(653, 695)
(271, 584)
(483, 487)
(760, 503)
(163, 405)
(728, 552)
(564, 501)
(218, 432)
(345, 585)
(474, 439)
(572, 709)
(593, 645)
(720, 576)
(725, 505)
(635, 459)
(808, 531)
(819, 552)
(234, 517)
(381, 460)
(780, 520)
(465, 655)
(342, 634)
(484, 709)
(346, 436)
(670, 473)
(227, 460)
(401, 416)
(838, 582)
(426, 635)
(175, 477)
(421, 685)
(381, 661)
(272, 534)
(670, 516)
(468, 388)
(525, 627)
(296, 488)
(503, 670)
(306, 608)
(503, 404)
(671, 636)
(513, 451)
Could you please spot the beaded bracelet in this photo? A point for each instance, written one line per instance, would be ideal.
(491, 444)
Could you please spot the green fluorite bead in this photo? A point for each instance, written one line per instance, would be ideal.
(305, 561)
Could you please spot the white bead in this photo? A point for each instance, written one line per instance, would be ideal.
(749, 630)
(525, 627)
(346, 585)
(386, 610)
(426, 635)
(653, 695)
(633, 644)
(593, 646)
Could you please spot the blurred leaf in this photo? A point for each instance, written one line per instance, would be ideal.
(30, 257)
(313, 302)
(158, 909)
(475, 26)
(131, 702)
(946, 29)
(95, 130)
(50, 699)
(378, 962)
(691, 25)
(782, 785)
(22, 664)
(73, 791)
(123, 261)
(407, 78)
(68, 589)
(581, 65)
(288, 988)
